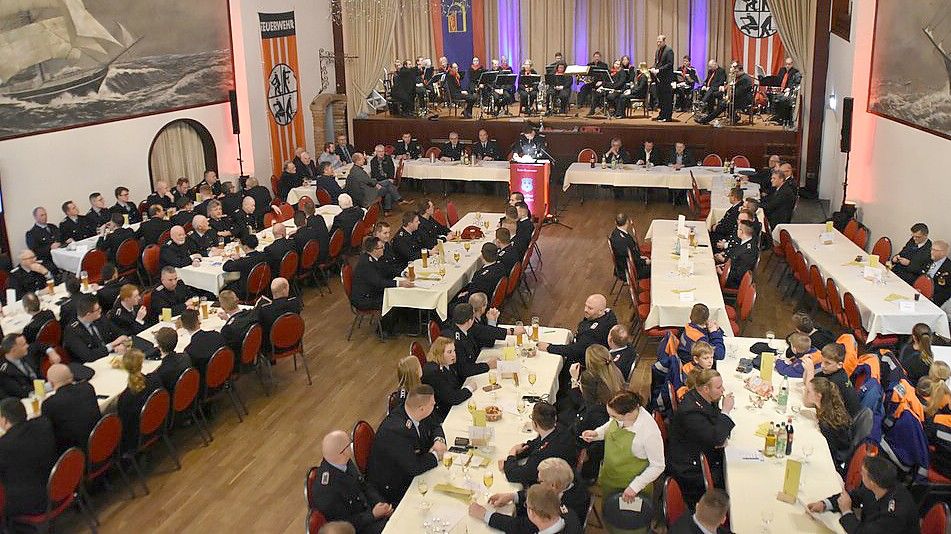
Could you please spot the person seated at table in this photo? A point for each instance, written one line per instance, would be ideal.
(486, 149)
(125, 207)
(27, 455)
(553, 441)
(804, 324)
(245, 219)
(173, 363)
(305, 233)
(592, 329)
(701, 328)
(780, 203)
(161, 196)
(680, 157)
(74, 227)
(230, 199)
(281, 303)
(939, 271)
(709, 516)
(151, 230)
(701, 358)
(341, 493)
(98, 215)
(743, 257)
(346, 219)
(203, 343)
(834, 421)
(184, 212)
(73, 410)
(43, 236)
(115, 234)
(327, 181)
(937, 411)
(553, 473)
(183, 188)
(92, 336)
(487, 278)
(508, 256)
(110, 287)
(430, 230)
(623, 243)
(371, 277)
(646, 155)
(515, 197)
(278, 248)
(176, 252)
(131, 401)
(914, 258)
(799, 354)
(171, 293)
(205, 196)
(38, 317)
(30, 275)
(440, 373)
(237, 321)
(598, 361)
(409, 374)
(383, 171)
(408, 147)
(67, 309)
(485, 329)
(261, 195)
(884, 502)
(467, 347)
(725, 228)
(210, 179)
(344, 149)
(698, 427)
(359, 185)
(20, 365)
(202, 240)
(306, 166)
(617, 153)
(452, 150)
(622, 351)
(328, 155)
(727, 244)
(408, 443)
(407, 245)
(248, 257)
(129, 316)
(390, 264)
(832, 359)
(222, 224)
(916, 355)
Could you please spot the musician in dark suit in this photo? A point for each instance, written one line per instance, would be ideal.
(171, 293)
(486, 149)
(249, 259)
(31, 305)
(779, 205)
(408, 148)
(939, 271)
(786, 76)
(663, 70)
(617, 153)
(406, 244)
(725, 228)
(623, 244)
(30, 275)
(270, 312)
(527, 92)
(636, 87)
(125, 207)
(73, 410)
(686, 79)
(530, 143)
(341, 493)
(176, 252)
(161, 196)
(709, 517)
(712, 84)
(115, 235)
(584, 93)
(237, 321)
(91, 336)
(344, 149)
(914, 257)
(787, 79)
(74, 227)
(129, 316)
(98, 215)
(647, 155)
(27, 455)
(742, 97)
(408, 443)
(43, 236)
(346, 219)
(20, 365)
(742, 257)
(559, 91)
(151, 230)
(609, 91)
(452, 150)
(553, 441)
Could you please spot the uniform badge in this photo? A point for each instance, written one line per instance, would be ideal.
(594, 325)
(891, 506)
(325, 478)
(564, 509)
(543, 446)
(942, 280)
(409, 424)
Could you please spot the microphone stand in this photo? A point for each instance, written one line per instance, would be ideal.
(553, 218)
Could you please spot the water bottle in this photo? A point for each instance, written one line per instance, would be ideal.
(781, 441)
(770, 449)
(782, 398)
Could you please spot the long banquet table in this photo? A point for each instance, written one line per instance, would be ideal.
(631, 175)
(672, 294)
(70, 257)
(435, 293)
(878, 303)
(482, 171)
(411, 513)
(753, 481)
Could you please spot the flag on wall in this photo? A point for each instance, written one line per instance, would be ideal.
(458, 28)
(755, 37)
(282, 86)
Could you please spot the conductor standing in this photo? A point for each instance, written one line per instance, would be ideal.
(663, 71)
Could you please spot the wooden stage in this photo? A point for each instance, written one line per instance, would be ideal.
(566, 138)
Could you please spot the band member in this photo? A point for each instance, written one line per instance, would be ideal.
(585, 92)
(559, 60)
(663, 71)
(788, 79)
(527, 90)
(504, 65)
(742, 96)
(609, 91)
(711, 89)
(475, 74)
(455, 93)
(404, 88)
(636, 89)
(559, 91)
(686, 81)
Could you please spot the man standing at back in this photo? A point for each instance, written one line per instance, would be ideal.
(664, 72)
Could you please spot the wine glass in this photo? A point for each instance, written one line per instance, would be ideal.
(456, 256)
(422, 487)
(487, 479)
(766, 516)
(807, 451)
(532, 377)
(493, 379)
(447, 460)
(472, 405)
(467, 245)
(770, 336)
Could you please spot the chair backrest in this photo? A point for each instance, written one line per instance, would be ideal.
(861, 237)
(336, 244)
(315, 520)
(362, 436)
(219, 367)
(818, 285)
(164, 237)
(275, 184)
(515, 275)
(259, 279)
(785, 243)
(251, 344)
(725, 272)
(853, 476)
(309, 482)
(925, 286)
(707, 473)
(287, 212)
(586, 154)
(883, 249)
(659, 419)
(452, 214)
(741, 161)
(434, 331)
(323, 197)
(154, 412)
(389, 150)
(712, 160)
(186, 389)
(440, 217)
(399, 174)
(147, 299)
(692, 203)
(51, 333)
(861, 426)
(65, 477)
(346, 278)
(850, 228)
(674, 505)
(150, 260)
(433, 151)
(289, 265)
(937, 520)
(832, 297)
(416, 349)
(498, 296)
(104, 439)
(748, 298)
(371, 216)
(357, 234)
(92, 263)
(852, 315)
(127, 253)
(270, 218)
(287, 332)
(308, 256)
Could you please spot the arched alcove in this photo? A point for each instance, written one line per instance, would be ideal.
(183, 147)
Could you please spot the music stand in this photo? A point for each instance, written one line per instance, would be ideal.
(485, 82)
(506, 82)
(530, 83)
(552, 93)
(603, 76)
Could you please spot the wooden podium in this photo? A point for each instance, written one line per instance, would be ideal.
(531, 179)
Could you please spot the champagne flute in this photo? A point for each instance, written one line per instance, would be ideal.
(456, 256)
(493, 379)
(487, 479)
(422, 487)
(467, 245)
(532, 377)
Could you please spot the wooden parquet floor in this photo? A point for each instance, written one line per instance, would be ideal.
(250, 478)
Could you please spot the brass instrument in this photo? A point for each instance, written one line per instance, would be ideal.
(730, 85)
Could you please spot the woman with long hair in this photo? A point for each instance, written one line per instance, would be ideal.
(916, 356)
(409, 374)
(938, 418)
(834, 421)
(597, 359)
(132, 399)
(442, 376)
(591, 414)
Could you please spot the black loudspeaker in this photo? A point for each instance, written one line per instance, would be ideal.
(845, 143)
(235, 125)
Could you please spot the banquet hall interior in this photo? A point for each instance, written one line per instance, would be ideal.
(464, 266)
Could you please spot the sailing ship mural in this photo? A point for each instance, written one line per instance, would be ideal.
(70, 63)
(911, 64)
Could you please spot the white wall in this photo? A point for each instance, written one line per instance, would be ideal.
(897, 174)
(838, 83)
(50, 168)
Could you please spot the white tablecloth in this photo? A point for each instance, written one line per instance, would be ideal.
(720, 197)
(753, 484)
(878, 315)
(668, 305)
(294, 195)
(14, 318)
(435, 294)
(484, 171)
(408, 516)
(70, 257)
(639, 176)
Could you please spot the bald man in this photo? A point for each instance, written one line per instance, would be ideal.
(278, 248)
(593, 329)
(30, 275)
(175, 251)
(281, 304)
(73, 410)
(940, 272)
(246, 219)
(341, 494)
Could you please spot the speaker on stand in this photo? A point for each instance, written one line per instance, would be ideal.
(847, 210)
(236, 129)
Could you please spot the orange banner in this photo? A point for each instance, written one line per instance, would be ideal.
(282, 86)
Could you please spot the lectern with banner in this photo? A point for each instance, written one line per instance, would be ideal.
(531, 179)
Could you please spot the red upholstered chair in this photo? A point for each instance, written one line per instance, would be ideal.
(819, 288)
(270, 218)
(707, 473)
(416, 349)
(183, 402)
(513, 281)
(288, 270)
(251, 355)
(659, 419)
(861, 237)
(62, 490)
(102, 448)
(127, 257)
(673, 501)
(398, 179)
(853, 477)
(51, 333)
(452, 214)
(883, 249)
(323, 197)
(835, 302)
(389, 150)
(440, 217)
(854, 320)
(362, 437)
(333, 256)
(937, 520)
(258, 282)
(925, 286)
(306, 268)
(850, 228)
(287, 212)
(712, 160)
(346, 279)
(357, 234)
(434, 331)
(150, 263)
(287, 340)
(371, 216)
(275, 184)
(433, 151)
(309, 481)
(152, 428)
(315, 520)
(92, 263)
(218, 380)
(586, 154)
(498, 296)
(741, 161)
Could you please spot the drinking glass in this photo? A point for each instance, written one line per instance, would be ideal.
(467, 245)
(493, 379)
(535, 321)
(766, 516)
(518, 336)
(422, 488)
(447, 460)
(770, 336)
(456, 256)
(532, 377)
(807, 451)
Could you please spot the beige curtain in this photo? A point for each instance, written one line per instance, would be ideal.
(796, 22)
(719, 33)
(547, 27)
(368, 34)
(618, 27)
(177, 152)
(414, 35)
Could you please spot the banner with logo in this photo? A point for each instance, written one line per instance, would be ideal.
(459, 30)
(531, 179)
(282, 86)
(755, 37)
